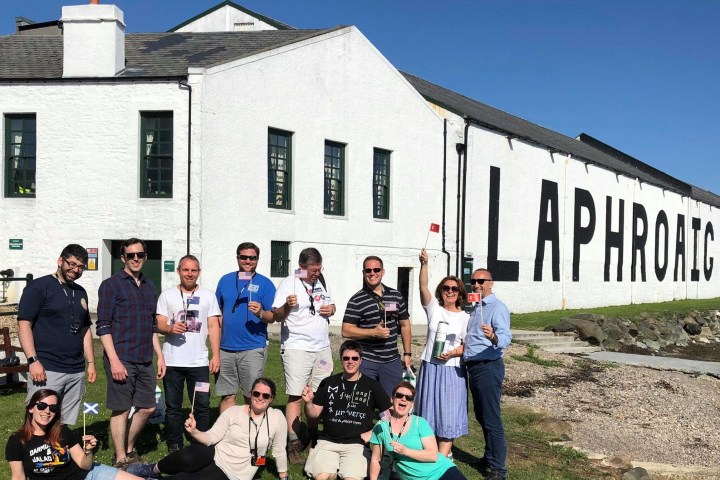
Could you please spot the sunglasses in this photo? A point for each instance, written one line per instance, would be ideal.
(139, 255)
(265, 396)
(372, 270)
(400, 396)
(248, 257)
(312, 305)
(42, 406)
(479, 281)
(450, 288)
(348, 358)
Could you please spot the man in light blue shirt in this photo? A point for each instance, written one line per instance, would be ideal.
(488, 335)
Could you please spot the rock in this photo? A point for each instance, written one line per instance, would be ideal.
(588, 330)
(614, 332)
(706, 332)
(641, 345)
(621, 462)
(637, 473)
(563, 327)
(556, 427)
(693, 328)
(586, 316)
(646, 333)
(702, 340)
(653, 345)
(612, 345)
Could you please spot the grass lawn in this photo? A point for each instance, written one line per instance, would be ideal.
(540, 320)
(530, 455)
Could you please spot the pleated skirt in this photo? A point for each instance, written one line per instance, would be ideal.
(441, 399)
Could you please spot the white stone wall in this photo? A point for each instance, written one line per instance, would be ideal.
(224, 20)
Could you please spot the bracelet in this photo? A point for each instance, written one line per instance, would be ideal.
(90, 363)
(407, 354)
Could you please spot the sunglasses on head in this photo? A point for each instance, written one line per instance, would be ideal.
(139, 255)
(400, 396)
(265, 396)
(479, 281)
(248, 257)
(42, 406)
(372, 270)
(347, 358)
(450, 288)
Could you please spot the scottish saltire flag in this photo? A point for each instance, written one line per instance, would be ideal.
(244, 276)
(202, 387)
(391, 307)
(91, 408)
(474, 297)
(434, 227)
(300, 273)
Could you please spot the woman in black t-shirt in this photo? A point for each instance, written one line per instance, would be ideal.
(43, 448)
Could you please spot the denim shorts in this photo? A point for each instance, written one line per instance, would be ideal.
(102, 472)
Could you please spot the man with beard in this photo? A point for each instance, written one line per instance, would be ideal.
(187, 314)
(54, 331)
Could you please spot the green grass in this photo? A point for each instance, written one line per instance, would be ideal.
(530, 457)
(531, 356)
(540, 320)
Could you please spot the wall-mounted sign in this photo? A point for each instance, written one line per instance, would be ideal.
(16, 244)
(169, 265)
(92, 263)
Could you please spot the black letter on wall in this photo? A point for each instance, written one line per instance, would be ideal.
(661, 220)
(639, 241)
(708, 265)
(548, 231)
(680, 247)
(614, 239)
(694, 272)
(582, 235)
(502, 270)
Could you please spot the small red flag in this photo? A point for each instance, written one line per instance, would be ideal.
(474, 297)
(434, 227)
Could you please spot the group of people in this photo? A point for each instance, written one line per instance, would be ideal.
(54, 331)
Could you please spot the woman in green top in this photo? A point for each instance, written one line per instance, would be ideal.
(409, 444)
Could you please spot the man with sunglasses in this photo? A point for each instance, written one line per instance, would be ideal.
(127, 328)
(374, 316)
(245, 298)
(303, 303)
(54, 331)
(346, 403)
(487, 336)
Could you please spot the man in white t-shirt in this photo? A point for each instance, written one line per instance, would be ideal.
(187, 314)
(303, 303)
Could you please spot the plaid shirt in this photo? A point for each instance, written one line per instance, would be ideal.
(127, 312)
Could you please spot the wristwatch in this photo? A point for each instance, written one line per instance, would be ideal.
(32, 360)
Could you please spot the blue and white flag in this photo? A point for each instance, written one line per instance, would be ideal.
(91, 408)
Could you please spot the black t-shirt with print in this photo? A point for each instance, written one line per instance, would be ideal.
(42, 461)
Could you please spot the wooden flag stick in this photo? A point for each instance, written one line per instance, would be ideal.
(192, 407)
(427, 236)
(83, 421)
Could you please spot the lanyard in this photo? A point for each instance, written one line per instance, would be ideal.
(74, 326)
(396, 438)
(355, 384)
(186, 302)
(257, 430)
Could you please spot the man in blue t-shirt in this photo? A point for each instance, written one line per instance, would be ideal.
(245, 298)
(54, 331)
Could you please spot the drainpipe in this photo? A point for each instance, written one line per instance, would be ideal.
(464, 190)
(459, 147)
(445, 194)
(185, 84)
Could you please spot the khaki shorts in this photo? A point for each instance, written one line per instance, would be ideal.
(305, 368)
(239, 370)
(347, 459)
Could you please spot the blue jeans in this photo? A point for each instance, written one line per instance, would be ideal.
(485, 381)
(175, 378)
(387, 374)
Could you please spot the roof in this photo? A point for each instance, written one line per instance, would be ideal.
(270, 21)
(147, 55)
(585, 149)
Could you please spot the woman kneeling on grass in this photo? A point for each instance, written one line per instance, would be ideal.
(409, 442)
(234, 447)
(43, 448)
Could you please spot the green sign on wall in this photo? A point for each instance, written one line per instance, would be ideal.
(16, 244)
(169, 265)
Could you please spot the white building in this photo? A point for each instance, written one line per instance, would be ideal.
(236, 127)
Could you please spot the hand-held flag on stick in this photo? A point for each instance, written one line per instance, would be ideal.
(245, 276)
(474, 297)
(434, 227)
(199, 387)
(389, 307)
(91, 409)
(301, 274)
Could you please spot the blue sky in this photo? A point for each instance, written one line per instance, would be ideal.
(642, 76)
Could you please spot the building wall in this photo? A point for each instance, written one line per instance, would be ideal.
(224, 20)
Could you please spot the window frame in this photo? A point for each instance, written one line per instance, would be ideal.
(145, 117)
(10, 181)
(381, 212)
(286, 204)
(279, 266)
(340, 210)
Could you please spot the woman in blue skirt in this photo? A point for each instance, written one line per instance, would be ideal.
(441, 390)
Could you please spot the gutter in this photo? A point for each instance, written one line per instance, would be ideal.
(184, 84)
(468, 120)
(444, 182)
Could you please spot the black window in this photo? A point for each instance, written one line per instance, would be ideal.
(156, 154)
(334, 178)
(279, 259)
(20, 141)
(279, 169)
(381, 183)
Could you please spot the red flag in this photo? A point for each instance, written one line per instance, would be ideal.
(474, 297)
(434, 227)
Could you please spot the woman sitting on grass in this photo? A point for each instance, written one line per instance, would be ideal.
(234, 447)
(43, 448)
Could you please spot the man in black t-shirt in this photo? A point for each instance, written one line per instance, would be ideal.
(54, 331)
(346, 404)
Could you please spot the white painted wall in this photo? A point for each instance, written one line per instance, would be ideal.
(224, 20)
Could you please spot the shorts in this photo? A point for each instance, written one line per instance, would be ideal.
(69, 386)
(239, 370)
(305, 368)
(101, 472)
(347, 459)
(138, 389)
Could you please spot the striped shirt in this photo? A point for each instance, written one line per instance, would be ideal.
(365, 309)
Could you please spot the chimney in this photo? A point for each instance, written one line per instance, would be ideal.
(93, 40)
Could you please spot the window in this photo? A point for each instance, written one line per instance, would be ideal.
(381, 183)
(20, 139)
(279, 168)
(156, 157)
(334, 178)
(279, 259)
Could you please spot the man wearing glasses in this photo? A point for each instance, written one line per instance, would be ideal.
(303, 302)
(127, 328)
(374, 316)
(487, 336)
(245, 298)
(346, 402)
(54, 331)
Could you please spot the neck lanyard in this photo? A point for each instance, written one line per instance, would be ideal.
(355, 384)
(257, 430)
(396, 438)
(186, 302)
(71, 303)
